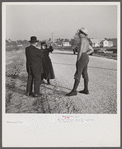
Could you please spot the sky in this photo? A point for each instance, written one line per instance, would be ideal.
(60, 21)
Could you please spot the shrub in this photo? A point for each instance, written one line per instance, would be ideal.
(9, 48)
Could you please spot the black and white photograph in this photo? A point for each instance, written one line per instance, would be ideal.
(61, 65)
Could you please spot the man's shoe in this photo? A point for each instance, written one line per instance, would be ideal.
(37, 95)
(48, 81)
(43, 82)
(84, 92)
(72, 93)
(29, 94)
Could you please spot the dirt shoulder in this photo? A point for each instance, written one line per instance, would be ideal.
(51, 101)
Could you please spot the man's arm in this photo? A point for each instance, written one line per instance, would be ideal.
(40, 53)
(91, 50)
(50, 48)
(82, 46)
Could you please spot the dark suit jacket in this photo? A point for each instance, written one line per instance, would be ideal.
(34, 60)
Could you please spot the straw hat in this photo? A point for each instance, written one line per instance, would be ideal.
(83, 30)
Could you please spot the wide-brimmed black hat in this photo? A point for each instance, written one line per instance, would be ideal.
(33, 39)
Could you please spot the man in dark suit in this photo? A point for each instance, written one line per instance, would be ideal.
(34, 67)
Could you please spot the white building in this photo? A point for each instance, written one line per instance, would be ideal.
(107, 43)
(96, 42)
(66, 44)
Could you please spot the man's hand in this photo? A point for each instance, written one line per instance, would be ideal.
(91, 50)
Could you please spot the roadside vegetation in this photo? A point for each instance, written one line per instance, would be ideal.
(111, 53)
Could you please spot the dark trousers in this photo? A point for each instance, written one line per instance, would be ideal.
(36, 79)
(84, 73)
(81, 67)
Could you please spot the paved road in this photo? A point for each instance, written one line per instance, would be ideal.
(102, 82)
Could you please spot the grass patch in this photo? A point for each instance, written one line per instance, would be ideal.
(107, 55)
(97, 52)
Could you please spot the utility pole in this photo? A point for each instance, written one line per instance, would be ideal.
(52, 37)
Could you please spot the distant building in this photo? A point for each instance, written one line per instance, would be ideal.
(96, 42)
(66, 44)
(106, 43)
(19, 45)
(48, 41)
(109, 42)
(114, 40)
(59, 45)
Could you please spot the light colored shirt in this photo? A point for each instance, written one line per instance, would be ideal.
(83, 47)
